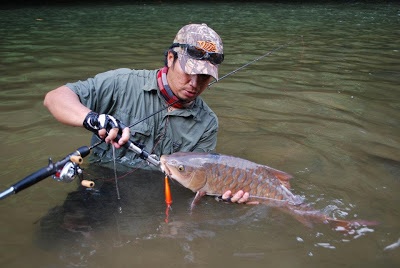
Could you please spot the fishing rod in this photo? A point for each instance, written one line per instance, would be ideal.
(64, 170)
(68, 168)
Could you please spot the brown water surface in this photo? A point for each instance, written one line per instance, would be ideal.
(325, 108)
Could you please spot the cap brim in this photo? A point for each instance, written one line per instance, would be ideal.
(192, 66)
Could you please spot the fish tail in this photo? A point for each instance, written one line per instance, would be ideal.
(308, 217)
(347, 226)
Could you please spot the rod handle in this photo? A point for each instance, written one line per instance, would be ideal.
(87, 183)
(77, 159)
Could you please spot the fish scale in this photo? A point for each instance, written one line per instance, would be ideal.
(222, 173)
(214, 174)
(238, 176)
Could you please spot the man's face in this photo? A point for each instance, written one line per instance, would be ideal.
(185, 86)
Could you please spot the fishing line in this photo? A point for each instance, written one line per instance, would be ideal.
(52, 168)
(156, 112)
(215, 81)
(223, 77)
(253, 61)
(115, 174)
(211, 83)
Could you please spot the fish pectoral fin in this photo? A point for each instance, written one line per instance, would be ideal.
(197, 198)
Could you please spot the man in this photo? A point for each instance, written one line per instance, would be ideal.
(110, 101)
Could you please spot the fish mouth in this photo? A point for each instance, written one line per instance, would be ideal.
(164, 167)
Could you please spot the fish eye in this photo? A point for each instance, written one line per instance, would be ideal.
(181, 168)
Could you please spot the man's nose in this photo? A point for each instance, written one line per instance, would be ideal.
(194, 80)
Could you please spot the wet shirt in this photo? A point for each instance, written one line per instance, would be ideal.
(131, 95)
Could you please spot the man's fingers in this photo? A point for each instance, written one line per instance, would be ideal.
(244, 198)
(226, 195)
(112, 134)
(253, 203)
(126, 133)
(102, 133)
(239, 197)
(236, 197)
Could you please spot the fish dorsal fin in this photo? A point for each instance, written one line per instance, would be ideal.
(283, 177)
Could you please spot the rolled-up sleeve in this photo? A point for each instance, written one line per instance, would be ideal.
(98, 93)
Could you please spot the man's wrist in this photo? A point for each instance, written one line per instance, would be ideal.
(91, 122)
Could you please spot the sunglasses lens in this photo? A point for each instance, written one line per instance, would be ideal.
(200, 54)
(195, 52)
(216, 58)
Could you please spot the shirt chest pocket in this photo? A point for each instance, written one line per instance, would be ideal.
(142, 133)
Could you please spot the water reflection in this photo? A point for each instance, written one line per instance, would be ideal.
(91, 224)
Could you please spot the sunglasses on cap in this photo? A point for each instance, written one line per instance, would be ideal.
(200, 54)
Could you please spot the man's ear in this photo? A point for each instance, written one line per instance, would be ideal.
(170, 59)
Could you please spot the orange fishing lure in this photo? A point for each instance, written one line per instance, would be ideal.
(168, 198)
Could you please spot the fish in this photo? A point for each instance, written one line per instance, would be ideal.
(213, 174)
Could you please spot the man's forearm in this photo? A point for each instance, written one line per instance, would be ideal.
(65, 106)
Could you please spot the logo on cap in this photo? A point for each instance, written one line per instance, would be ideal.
(207, 46)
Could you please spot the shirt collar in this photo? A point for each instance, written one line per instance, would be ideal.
(193, 110)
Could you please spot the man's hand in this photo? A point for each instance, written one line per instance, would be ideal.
(239, 197)
(107, 127)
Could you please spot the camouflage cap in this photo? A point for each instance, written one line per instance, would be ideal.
(202, 36)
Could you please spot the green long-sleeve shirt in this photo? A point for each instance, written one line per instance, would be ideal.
(131, 95)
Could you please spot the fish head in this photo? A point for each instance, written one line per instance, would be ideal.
(186, 168)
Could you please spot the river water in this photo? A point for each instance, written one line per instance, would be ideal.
(324, 108)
